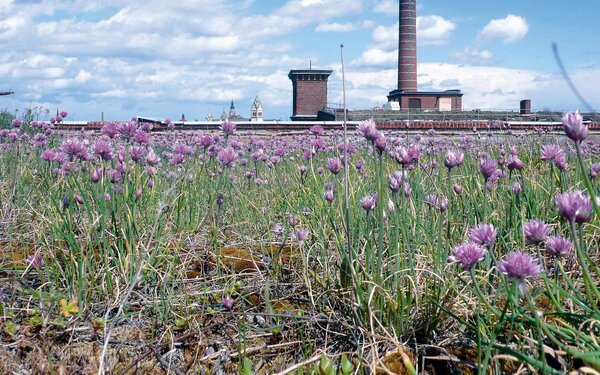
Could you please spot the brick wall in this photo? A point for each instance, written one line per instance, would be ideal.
(431, 101)
(309, 97)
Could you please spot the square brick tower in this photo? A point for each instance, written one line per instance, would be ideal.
(310, 93)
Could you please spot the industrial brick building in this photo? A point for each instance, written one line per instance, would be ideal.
(406, 96)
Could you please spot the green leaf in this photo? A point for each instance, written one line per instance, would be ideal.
(10, 327)
(346, 366)
(247, 367)
(36, 321)
(68, 308)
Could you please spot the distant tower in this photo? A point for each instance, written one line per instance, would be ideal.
(232, 110)
(209, 116)
(407, 46)
(310, 93)
(257, 111)
(223, 116)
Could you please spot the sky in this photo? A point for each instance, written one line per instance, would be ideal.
(163, 59)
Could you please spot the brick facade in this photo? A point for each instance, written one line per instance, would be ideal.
(309, 93)
(428, 100)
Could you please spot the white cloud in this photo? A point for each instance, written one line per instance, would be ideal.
(342, 27)
(509, 29)
(431, 30)
(472, 55)
(377, 57)
(434, 30)
(387, 7)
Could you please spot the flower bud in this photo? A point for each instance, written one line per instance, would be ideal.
(95, 176)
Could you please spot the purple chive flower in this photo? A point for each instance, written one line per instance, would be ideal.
(514, 162)
(317, 130)
(519, 266)
(575, 206)
(454, 158)
(228, 128)
(535, 232)
(301, 235)
(65, 202)
(368, 130)
(551, 152)
(35, 261)
(368, 202)
(141, 137)
(176, 159)
(40, 140)
(137, 153)
(220, 199)
(395, 181)
(151, 158)
(487, 167)
(51, 155)
(381, 143)
(457, 189)
(594, 170)
(334, 165)
(467, 255)
(180, 148)
(63, 114)
(228, 303)
(16, 123)
(483, 234)
(277, 230)
(437, 201)
(328, 195)
(561, 163)
(516, 188)
(74, 149)
(574, 126)
(407, 190)
(227, 157)
(558, 246)
(138, 193)
(303, 169)
(390, 206)
(95, 177)
(360, 164)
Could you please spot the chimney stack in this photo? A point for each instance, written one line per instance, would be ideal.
(407, 46)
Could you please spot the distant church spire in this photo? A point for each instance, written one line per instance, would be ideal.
(257, 110)
(231, 110)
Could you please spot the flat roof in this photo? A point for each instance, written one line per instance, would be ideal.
(309, 71)
(425, 93)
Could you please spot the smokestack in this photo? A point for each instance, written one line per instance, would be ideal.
(407, 46)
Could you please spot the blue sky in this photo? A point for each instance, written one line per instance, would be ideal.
(162, 59)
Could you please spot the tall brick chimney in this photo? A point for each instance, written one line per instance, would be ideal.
(407, 46)
(310, 93)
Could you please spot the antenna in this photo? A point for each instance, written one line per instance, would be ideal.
(347, 270)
